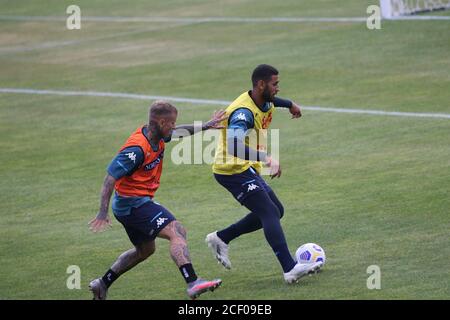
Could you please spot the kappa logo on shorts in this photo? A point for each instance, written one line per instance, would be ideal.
(252, 187)
(160, 221)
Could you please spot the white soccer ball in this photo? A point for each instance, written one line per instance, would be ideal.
(310, 253)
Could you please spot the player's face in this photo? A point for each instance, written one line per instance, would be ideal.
(271, 88)
(167, 125)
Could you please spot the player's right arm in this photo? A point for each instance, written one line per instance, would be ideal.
(125, 163)
(242, 120)
(102, 220)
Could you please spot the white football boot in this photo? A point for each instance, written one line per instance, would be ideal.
(219, 249)
(300, 270)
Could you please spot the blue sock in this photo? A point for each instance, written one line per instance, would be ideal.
(284, 257)
(269, 214)
(247, 224)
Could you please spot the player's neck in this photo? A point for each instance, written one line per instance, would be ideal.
(257, 98)
(153, 136)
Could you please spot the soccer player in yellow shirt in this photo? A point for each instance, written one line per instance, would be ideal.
(239, 159)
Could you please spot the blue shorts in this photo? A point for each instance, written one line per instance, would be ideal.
(244, 184)
(145, 222)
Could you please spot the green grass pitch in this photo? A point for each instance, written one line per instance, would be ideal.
(371, 190)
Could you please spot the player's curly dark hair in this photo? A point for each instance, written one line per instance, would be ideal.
(263, 72)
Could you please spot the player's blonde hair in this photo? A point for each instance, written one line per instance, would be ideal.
(160, 109)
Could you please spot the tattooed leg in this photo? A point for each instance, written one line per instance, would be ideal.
(176, 234)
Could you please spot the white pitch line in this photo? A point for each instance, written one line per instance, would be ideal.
(55, 44)
(214, 102)
(112, 95)
(405, 18)
(187, 19)
(215, 19)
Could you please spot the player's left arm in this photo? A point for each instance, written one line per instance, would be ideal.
(190, 129)
(293, 107)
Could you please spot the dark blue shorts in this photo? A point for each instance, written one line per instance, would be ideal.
(145, 222)
(244, 184)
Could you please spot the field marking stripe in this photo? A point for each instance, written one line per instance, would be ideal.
(216, 19)
(187, 19)
(406, 18)
(52, 44)
(214, 102)
(112, 95)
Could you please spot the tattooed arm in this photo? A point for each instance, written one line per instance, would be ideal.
(190, 129)
(102, 220)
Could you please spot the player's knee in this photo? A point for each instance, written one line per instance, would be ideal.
(277, 203)
(142, 255)
(145, 252)
(280, 209)
(274, 211)
(151, 251)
